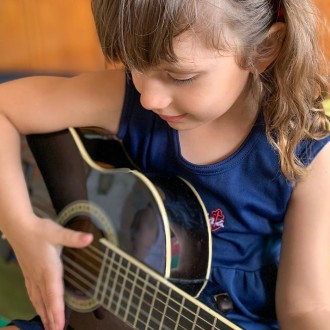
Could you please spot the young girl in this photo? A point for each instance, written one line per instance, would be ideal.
(224, 93)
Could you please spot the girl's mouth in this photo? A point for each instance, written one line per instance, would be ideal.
(172, 119)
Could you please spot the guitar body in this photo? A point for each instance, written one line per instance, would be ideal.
(151, 253)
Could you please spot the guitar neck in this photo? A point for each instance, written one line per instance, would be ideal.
(143, 299)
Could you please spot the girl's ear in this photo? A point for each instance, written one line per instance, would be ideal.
(269, 49)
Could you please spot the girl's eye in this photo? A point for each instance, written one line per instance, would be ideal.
(182, 81)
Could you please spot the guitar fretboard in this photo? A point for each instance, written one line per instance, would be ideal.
(145, 300)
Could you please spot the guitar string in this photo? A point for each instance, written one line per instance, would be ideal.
(109, 305)
(123, 299)
(119, 268)
(171, 299)
(153, 287)
(130, 313)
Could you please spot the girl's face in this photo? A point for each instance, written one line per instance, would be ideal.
(199, 89)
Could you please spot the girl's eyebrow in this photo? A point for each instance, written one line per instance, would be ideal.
(180, 68)
(185, 71)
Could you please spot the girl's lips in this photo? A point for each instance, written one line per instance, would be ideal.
(172, 119)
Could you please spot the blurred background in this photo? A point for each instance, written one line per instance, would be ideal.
(48, 36)
(57, 37)
(37, 37)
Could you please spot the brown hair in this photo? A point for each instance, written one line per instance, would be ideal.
(139, 33)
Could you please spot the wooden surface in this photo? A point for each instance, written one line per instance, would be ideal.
(48, 35)
(59, 35)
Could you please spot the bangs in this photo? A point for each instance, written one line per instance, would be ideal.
(140, 33)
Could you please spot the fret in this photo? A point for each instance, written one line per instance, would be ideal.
(157, 318)
(140, 317)
(121, 304)
(100, 279)
(135, 309)
(164, 311)
(204, 319)
(132, 299)
(158, 305)
(150, 320)
(109, 262)
(214, 324)
(195, 318)
(179, 314)
(174, 305)
(188, 314)
(115, 263)
(146, 305)
(128, 291)
(170, 308)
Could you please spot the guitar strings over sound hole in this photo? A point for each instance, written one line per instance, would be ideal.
(82, 266)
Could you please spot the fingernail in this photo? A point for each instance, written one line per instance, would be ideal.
(87, 238)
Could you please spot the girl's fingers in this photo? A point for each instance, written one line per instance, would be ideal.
(50, 294)
(74, 239)
(61, 236)
(43, 268)
(37, 302)
(54, 295)
(41, 309)
(46, 293)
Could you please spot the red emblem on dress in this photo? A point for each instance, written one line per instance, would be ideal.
(217, 220)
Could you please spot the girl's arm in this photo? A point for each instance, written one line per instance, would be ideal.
(36, 105)
(45, 104)
(303, 286)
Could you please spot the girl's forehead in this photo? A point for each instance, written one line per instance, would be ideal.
(190, 47)
(192, 55)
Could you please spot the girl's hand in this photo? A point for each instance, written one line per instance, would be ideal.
(38, 248)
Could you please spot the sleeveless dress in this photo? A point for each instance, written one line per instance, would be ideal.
(246, 197)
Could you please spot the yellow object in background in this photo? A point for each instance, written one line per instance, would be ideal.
(326, 105)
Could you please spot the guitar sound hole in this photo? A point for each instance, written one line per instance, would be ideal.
(82, 266)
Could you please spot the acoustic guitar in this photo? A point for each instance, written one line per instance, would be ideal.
(151, 254)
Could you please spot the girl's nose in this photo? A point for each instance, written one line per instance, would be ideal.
(154, 94)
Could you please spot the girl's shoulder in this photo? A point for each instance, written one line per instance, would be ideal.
(307, 150)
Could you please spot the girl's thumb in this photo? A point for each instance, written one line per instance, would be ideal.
(75, 239)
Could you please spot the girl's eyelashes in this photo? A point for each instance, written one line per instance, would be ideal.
(181, 81)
